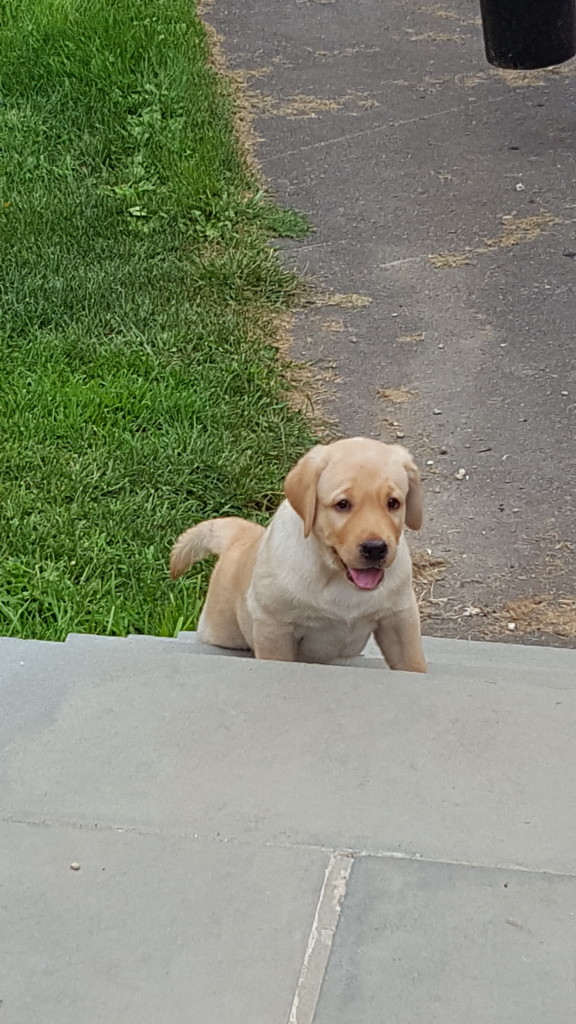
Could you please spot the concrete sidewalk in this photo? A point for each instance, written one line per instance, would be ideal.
(443, 194)
(204, 838)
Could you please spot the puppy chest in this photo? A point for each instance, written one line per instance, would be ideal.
(328, 639)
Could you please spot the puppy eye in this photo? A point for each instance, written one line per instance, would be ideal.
(393, 504)
(343, 505)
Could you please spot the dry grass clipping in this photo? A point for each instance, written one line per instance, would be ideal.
(470, 81)
(244, 112)
(540, 76)
(304, 104)
(398, 396)
(446, 260)
(540, 614)
(438, 11)
(516, 79)
(434, 37)
(519, 230)
(300, 105)
(310, 389)
(347, 51)
(411, 337)
(349, 301)
(427, 569)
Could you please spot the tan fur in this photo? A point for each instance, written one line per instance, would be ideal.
(286, 593)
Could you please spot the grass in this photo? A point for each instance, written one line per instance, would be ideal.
(139, 390)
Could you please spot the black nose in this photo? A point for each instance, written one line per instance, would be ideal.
(374, 550)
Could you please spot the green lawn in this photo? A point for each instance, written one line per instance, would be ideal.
(139, 391)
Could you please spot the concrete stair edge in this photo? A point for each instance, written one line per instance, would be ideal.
(144, 649)
(439, 650)
(444, 650)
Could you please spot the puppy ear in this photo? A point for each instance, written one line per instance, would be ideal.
(301, 483)
(415, 496)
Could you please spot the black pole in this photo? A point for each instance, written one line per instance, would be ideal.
(527, 34)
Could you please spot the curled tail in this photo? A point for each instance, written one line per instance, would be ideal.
(208, 538)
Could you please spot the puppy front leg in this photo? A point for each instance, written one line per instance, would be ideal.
(274, 643)
(398, 637)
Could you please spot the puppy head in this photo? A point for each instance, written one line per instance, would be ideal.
(355, 496)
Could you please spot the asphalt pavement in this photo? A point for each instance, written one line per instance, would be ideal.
(442, 196)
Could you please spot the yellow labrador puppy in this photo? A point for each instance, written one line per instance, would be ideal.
(332, 568)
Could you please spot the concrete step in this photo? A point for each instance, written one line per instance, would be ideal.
(219, 813)
(440, 651)
(495, 663)
(461, 764)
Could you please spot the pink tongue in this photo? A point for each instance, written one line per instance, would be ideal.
(366, 579)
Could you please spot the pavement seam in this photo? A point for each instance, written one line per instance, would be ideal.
(228, 840)
(321, 937)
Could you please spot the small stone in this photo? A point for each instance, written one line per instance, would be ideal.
(511, 626)
(436, 412)
(443, 451)
(75, 866)
(564, 394)
(440, 346)
(399, 434)
(429, 462)
(520, 187)
(460, 474)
